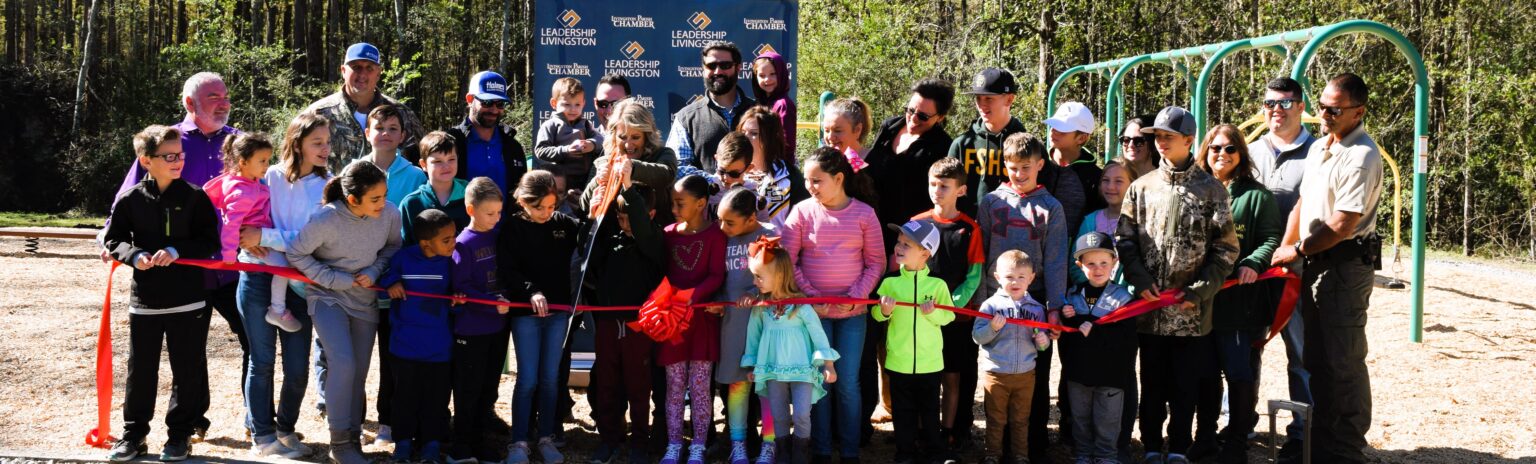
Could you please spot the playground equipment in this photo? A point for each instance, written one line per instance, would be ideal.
(1314, 38)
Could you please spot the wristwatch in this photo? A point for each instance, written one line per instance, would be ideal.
(1297, 249)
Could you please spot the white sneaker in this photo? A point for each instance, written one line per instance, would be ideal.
(296, 447)
(384, 437)
(272, 448)
(283, 319)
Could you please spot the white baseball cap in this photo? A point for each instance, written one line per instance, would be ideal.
(1072, 117)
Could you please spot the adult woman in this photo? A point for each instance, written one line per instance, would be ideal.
(1136, 149)
(779, 182)
(905, 146)
(1243, 312)
(632, 133)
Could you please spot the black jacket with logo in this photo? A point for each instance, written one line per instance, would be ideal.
(146, 220)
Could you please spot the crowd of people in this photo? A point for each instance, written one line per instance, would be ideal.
(375, 212)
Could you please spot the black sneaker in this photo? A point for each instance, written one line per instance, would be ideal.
(1202, 448)
(125, 450)
(175, 450)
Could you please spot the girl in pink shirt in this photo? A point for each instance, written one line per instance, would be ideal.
(243, 201)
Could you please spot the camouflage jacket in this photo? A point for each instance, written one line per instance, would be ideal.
(1176, 232)
(347, 140)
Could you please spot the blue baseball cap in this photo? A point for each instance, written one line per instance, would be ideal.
(1172, 119)
(488, 85)
(362, 51)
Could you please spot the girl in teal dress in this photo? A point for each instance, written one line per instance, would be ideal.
(787, 356)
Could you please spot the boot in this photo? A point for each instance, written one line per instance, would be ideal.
(344, 449)
(802, 450)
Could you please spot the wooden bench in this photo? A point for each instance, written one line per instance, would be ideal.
(32, 234)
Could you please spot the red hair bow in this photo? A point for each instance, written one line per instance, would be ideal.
(762, 249)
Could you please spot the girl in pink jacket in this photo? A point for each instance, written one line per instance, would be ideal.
(243, 201)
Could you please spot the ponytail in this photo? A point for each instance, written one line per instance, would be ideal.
(857, 113)
(354, 181)
(241, 147)
(697, 186)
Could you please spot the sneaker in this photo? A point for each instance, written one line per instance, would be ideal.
(199, 433)
(558, 438)
(283, 319)
(739, 453)
(347, 453)
(765, 455)
(696, 454)
(1203, 447)
(294, 443)
(403, 452)
(550, 453)
(1176, 458)
(517, 453)
(432, 452)
(604, 454)
(268, 449)
(175, 450)
(385, 436)
(1153, 458)
(125, 450)
(673, 454)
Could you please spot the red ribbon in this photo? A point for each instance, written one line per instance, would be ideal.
(1288, 296)
(100, 437)
(666, 314)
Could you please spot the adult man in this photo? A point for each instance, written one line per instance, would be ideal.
(1333, 227)
(610, 89)
(698, 127)
(486, 147)
(206, 100)
(1280, 157)
(348, 108)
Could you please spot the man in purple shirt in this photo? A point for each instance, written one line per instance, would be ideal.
(203, 130)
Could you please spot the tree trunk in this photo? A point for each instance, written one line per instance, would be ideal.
(315, 41)
(332, 38)
(181, 21)
(1047, 35)
(400, 44)
(85, 62)
(506, 35)
(1466, 157)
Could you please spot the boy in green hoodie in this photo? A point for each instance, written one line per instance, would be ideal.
(914, 344)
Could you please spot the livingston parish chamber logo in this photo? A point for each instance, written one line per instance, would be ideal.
(568, 35)
(699, 20)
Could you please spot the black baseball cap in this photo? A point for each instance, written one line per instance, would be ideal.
(993, 81)
(1172, 119)
(1094, 241)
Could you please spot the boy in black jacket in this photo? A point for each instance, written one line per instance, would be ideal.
(1098, 360)
(626, 264)
(158, 221)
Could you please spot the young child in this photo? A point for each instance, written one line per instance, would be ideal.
(958, 262)
(733, 159)
(1071, 127)
(443, 190)
(1116, 179)
(1009, 354)
(421, 340)
(779, 182)
(914, 344)
(158, 221)
(822, 235)
(244, 201)
(1099, 360)
(845, 126)
(697, 252)
(344, 248)
(535, 250)
(738, 220)
(787, 357)
(479, 330)
(384, 134)
(627, 262)
(770, 87)
(567, 142)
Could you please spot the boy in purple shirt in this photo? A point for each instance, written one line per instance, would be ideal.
(480, 331)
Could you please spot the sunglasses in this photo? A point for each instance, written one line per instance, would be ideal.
(731, 174)
(1228, 149)
(921, 116)
(1284, 104)
(719, 65)
(604, 104)
(498, 104)
(170, 157)
(1133, 141)
(1336, 110)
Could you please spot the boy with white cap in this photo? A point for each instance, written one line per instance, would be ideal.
(1071, 128)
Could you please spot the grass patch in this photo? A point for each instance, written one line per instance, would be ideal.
(21, 219)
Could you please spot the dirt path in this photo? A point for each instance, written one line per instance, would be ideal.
(1462, 396)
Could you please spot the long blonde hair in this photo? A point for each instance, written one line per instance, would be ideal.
(633, 115)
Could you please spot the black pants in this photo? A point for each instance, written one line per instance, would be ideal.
(1334, 300)
(386, 399)
(477, 362)
(185, 337)
(960, 359)
(1170, 369)
(420, 400)
(916, 418)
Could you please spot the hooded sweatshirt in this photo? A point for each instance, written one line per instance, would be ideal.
(981, 153)
(1032, 222)
(1176, 232)
(335, 246)
(777, 100)
(241, 202)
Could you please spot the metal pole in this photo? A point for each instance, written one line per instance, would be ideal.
(826, 98)
(1114, 118)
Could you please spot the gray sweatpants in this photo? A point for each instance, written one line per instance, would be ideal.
(1096, 413)
(348, 351)
(781, 395)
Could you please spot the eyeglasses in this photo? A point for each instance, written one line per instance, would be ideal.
(1284, 103)
(731, 174)
(921, 116)
(1228, 149)
(1133, 141)
(498, 104)
(170, 157)
(719, 65)
(1336, 110)
(604, 104)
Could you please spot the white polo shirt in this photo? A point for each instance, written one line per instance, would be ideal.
(1343, 176)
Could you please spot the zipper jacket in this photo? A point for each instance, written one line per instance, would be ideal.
(914, 343)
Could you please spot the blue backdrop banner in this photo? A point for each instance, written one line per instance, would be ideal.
(655, 45)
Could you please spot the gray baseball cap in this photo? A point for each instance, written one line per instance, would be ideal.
(1172, 119)
(924, 232)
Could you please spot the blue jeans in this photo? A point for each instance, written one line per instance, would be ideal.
(538, 342)
(253, 297)
(847, 337)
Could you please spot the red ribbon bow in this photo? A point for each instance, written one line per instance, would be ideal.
(666, 314)
(762, 248)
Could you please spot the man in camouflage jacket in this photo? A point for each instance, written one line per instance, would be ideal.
(347, 109)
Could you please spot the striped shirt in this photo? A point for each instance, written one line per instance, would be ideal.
(836, 253)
